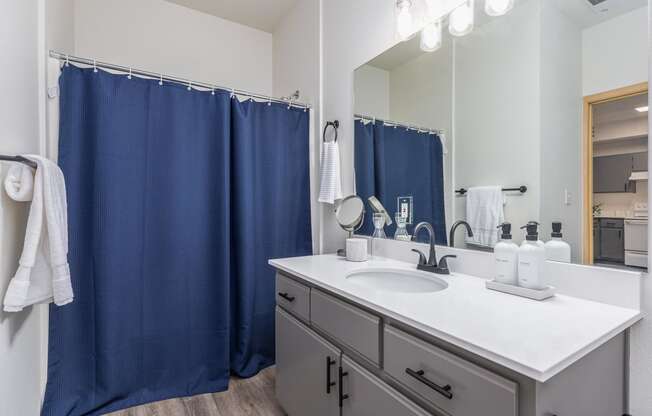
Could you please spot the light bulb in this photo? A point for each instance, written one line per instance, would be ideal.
(404, 20)
(431, 37)
(498, 7)
(461, 19)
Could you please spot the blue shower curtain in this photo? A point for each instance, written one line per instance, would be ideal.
(176, 200)
(393, 162)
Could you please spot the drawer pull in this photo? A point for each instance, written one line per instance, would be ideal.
(329, 383)
(285, 296)
(444, 391)
(341, 395)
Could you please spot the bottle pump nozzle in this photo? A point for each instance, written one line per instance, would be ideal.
(506, 230)
(532, 229)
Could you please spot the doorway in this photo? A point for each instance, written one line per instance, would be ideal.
(615, 152)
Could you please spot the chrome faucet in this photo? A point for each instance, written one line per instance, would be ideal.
(451, 239)
(430, 265)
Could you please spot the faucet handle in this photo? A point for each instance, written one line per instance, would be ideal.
(422, 257)
(443, 263)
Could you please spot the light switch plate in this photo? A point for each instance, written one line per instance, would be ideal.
(404, 207)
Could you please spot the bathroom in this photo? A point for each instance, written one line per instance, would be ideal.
(215, 160)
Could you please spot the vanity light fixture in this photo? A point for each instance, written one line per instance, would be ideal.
(461, 19)
(642, 109)
(404, 21)
(431, 37)
(498, 7)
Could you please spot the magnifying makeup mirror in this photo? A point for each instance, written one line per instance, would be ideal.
(350, 216)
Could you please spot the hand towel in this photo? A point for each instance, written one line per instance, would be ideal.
(19, 182)
(43, 273)
(484, 213)
(330, 174)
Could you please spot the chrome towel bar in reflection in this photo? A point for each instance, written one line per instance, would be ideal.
(18, 159)
(522, 189)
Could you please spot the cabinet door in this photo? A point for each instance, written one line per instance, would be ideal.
(612, 244)
(611, 174)
(640, 162)
(366, 395)
(306, 369)
(596, 240)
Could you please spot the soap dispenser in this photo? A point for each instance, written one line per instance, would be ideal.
(531, 259)
(539, 242)
(557, 249)
(506, 257)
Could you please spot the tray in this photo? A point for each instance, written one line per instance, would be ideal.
(524, 292)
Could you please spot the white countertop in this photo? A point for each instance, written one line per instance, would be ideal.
(537, 339)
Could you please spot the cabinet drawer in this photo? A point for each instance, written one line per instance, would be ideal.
(445, 380)
(293, 297)
(351, 326)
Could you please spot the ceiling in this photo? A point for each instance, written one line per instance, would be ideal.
(586, 15)
(579, 11)
(260, 14)
(620, 110)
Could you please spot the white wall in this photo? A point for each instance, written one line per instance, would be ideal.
(497, 123)
(20, 333)
(159, 36)
(623, 39)
(421, 94)
(371, 92)
(296, 58)
(560, 84)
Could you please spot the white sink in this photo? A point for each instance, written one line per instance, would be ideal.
(397, 280)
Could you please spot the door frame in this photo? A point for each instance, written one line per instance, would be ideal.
(587, 158)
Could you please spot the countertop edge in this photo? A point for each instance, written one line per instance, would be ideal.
(539, 375)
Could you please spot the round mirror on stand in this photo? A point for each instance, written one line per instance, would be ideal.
(350, 216)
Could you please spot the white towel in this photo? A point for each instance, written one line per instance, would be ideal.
(484, 213)
(330, 174)
(19, 182)
(43, 273)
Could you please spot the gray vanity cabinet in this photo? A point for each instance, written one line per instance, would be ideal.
(306, 369)
(366, 395)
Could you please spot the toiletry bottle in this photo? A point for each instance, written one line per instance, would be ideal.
(557, 249)
(506, 257)
(539, 242)
(531, 259)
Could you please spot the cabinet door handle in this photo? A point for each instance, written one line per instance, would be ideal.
(329, 383)
(341, 395)
(285, 296)
(443, 390)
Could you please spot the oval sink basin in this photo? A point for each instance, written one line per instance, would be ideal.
(397, 280)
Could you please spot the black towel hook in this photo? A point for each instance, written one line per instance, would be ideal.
(336, 125)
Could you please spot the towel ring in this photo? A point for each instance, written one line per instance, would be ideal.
(335, 124)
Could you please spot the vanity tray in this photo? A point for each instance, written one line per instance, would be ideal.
(535, 294)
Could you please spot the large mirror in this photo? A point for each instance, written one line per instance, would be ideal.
(536, 115)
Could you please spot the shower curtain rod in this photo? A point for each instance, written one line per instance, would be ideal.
(168, 78)
(399, 124)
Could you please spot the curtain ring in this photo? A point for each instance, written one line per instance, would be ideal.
(335, 124)
(67, 60)
(213, 91)
(232, 93)
(189, 85)
(269, 101)
(129, 76)
(94, 65)
(160, 79)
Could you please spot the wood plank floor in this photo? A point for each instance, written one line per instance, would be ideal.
(245, 397)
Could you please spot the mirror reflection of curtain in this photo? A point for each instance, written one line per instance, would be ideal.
(393, 162)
